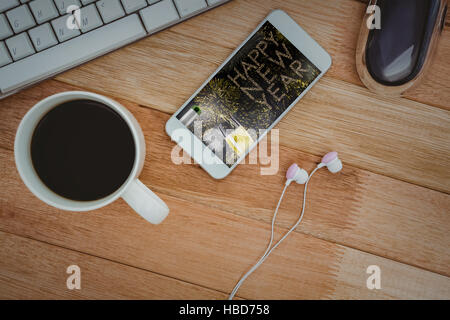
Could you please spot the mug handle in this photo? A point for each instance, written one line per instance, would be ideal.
(145, 202)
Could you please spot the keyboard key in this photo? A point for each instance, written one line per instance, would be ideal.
(62, 5)
(60, 47)
(4, 55)
(71, 53)
(20, 46)
(158, 15)
(43, 10)
(110, 10)
(8, 4)
(90, 19)
(133, 5)
(20, 18)
(187, 7)
(62, 32)
(43, 37)
(5, 29)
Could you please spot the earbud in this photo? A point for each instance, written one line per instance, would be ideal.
(296, 174)
(332, 162)
(299, 175)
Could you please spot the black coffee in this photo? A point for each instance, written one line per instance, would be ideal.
(83, 150)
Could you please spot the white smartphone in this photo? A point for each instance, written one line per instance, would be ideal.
(248, 94)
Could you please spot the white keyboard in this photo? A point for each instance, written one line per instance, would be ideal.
(41, 38)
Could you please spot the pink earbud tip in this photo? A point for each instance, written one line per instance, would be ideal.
(290, 174)
(330, 156)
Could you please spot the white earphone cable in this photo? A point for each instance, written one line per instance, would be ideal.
(269, 248)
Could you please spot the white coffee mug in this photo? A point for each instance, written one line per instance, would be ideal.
(133, 191)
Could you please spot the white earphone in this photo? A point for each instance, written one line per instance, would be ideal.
(299, 175)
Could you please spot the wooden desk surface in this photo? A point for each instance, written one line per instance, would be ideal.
(389, 207)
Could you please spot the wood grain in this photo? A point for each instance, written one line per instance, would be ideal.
(163, 71)
(406, 88)
(398, 138)
(371, 213)
(357, 208)
(178, 60)
(30, 269)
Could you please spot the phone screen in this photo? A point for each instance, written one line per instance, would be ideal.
(248, 94)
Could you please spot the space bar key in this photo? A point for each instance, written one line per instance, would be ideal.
(71, 53)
